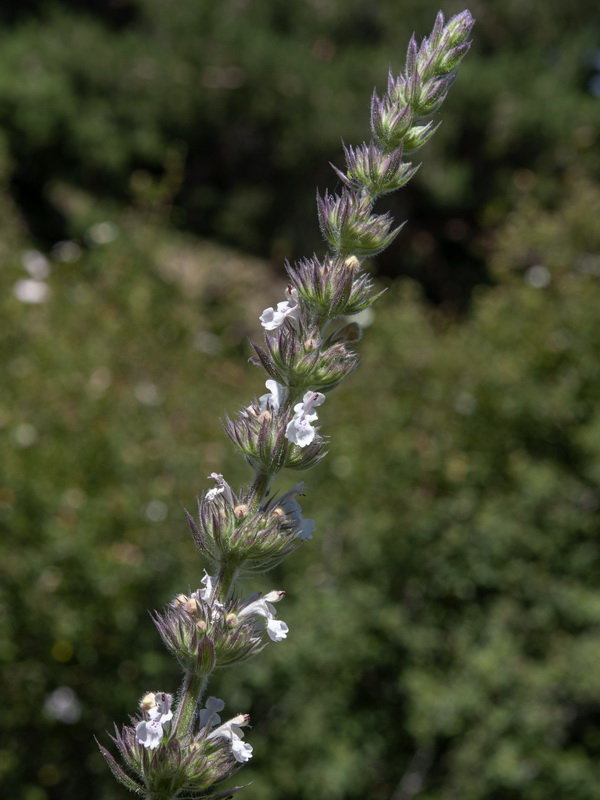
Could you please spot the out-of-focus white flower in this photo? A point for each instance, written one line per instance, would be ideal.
(30, 291)
(102, 232)
(209, 715)
(36, 264)
(293, 509)
(62, 705)
(538, 276)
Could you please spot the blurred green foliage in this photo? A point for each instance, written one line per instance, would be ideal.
(255, 95)
(445, 620)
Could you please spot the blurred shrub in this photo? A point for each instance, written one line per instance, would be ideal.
(255, 96)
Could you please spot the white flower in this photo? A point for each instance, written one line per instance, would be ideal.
(271, 318)
(299, 429)
(150, 733)
(207, 596)
(206, 593)
(293, 509)
(276, 628)
(208, 715)
(30, 291)
(242, 751)
(273, 400)
(219, 488)
(232, 730)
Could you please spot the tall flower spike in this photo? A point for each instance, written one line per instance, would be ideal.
(181, 751)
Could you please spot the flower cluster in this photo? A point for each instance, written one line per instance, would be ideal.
(307, 352)
(161, 765)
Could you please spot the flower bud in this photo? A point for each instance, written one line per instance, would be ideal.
(148, 701)
(419, 135)
(349, 226)
(334, 287)
(370, 169)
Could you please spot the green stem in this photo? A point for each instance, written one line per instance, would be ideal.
(226, 579)
(192, 689)
(260, 485)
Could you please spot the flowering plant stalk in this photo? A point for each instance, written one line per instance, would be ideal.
(182, 749)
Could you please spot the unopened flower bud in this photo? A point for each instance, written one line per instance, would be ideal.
(460, 26)
(148, 701)
(192, 606)
(241, 511)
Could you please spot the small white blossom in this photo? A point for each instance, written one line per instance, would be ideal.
(232, 730)
(299, 429)
(273, 400)
(276, 628)
(150, 733)
(222, 487)
(271, 318)
(218, 489)
(242, 751)
(206, 593)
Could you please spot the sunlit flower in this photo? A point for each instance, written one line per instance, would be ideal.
(218, 489)
(299, 429)
(149, 733)
(232, 730)
(273, 400)
(272, 318)
(276, 628)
